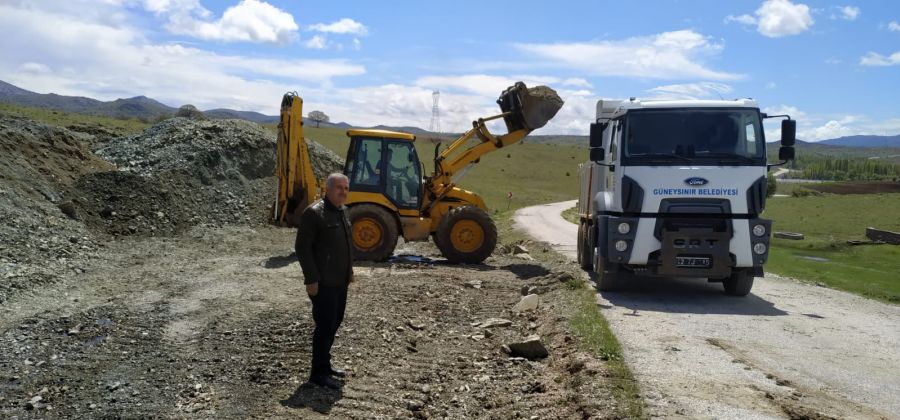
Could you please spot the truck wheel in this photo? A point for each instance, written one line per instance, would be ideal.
(608, 280)
(739, 284)
(585, 247)
(466, 235)
(580, 250)
(373, 232)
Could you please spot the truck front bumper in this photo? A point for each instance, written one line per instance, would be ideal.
(689, 252)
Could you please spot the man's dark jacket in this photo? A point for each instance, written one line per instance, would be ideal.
(323, 245)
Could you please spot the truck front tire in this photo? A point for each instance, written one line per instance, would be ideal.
(739, 283)
(585, 247)
(608, 281)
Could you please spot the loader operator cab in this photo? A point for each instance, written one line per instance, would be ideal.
(385, 162)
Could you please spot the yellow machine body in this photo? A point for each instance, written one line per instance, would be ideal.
(391, 197)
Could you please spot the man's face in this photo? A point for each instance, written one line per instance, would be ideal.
(337, 192)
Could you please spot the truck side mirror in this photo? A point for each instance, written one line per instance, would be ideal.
(597, 154)
(786, 153)
(596, 137)
(788, 133)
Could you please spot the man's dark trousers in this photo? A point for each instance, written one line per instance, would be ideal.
(328, 312)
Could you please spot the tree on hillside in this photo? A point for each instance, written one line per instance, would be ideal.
(318, 117)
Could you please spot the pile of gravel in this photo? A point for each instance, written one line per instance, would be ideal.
(60, 201)
(210, 151)
(41, 238)
(184, 172)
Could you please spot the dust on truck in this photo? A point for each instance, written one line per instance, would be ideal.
(677, 189)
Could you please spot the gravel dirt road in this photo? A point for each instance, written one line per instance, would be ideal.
(788, 350)
(215, 323)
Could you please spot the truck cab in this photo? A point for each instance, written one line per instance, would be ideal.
(677, 189)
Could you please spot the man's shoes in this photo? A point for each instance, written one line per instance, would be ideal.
(325, 381)
(337, 373)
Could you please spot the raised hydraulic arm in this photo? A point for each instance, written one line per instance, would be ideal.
(297, 184)
(523, 110)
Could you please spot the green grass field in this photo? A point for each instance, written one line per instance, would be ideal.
(534, 173)
(828, 221)
(65, 119)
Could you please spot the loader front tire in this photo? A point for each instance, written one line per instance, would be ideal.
(466, 235)
(373, 232)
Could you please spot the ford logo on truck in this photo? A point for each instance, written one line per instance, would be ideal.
(696, 181)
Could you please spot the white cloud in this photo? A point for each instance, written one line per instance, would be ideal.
(34, 68)
(875, 59)
(317, 42)
(778, 18)
(668, 55)
(577, 82)
(811, 127)
(894, 26)
(742, 19)
(771, 85)
(357, 44)
(249, 20)
(700, 90)
(785, 110)
(343, 26)
(833, 60)
(847, 13)
(114, 61)
(490, 86)
(831, 129)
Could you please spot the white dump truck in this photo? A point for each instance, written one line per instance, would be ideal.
(676, 189)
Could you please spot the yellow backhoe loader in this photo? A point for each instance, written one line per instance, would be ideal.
(389, 196)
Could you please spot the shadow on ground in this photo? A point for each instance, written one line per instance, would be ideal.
(281, 261)
(685, 295)
(318, 399)
(526, 271)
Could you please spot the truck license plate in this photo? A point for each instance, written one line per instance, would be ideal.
(693, 262)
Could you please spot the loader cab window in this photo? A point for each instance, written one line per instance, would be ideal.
(363, 165)
(404, 178)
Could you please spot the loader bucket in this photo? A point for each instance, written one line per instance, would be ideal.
(529, 109)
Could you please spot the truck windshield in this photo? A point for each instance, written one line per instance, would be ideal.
(700, 136)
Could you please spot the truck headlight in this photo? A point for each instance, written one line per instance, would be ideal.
(759, 248)
(621, 246)
(624, 228)
(759, 230)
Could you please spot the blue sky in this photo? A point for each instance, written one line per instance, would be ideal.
(834, 65)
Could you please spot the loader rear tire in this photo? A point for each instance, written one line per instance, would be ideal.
(373, 232)
(466, 235)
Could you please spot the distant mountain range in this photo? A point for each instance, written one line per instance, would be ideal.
(138, 107)
(864, 141)
(144, 108)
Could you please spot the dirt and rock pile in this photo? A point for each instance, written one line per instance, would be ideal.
(185, 172)
(40, 236)
(64, 191)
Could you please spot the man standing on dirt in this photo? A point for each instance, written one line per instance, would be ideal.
(324, 250)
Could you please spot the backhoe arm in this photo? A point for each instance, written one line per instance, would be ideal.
(297, 184)
(523, 110)
(450, 164)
